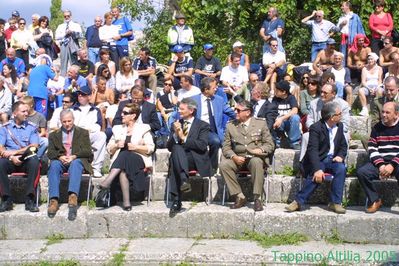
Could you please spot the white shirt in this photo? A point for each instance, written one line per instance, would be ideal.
(269, 58)
(234, 76)
(107, 32)
(345, 17)
(331, 135)
(339, 75)
(258, 106)
(204, 109)
(125, 83)
(183, 93)
(61, 29)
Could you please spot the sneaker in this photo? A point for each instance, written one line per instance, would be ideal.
(294, 206)
(52, 208)
(97, 174)
(337, 208)
(364, 112)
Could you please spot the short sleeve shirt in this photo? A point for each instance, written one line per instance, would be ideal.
(208, 65)
(86, 68)
(284, 106)
(272, 25)
(140, 65)
(26, 134)
(183, 66)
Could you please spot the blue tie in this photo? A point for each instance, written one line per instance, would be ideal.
(211, 117)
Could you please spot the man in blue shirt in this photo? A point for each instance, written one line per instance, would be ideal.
(146, 65)
(179, 66)
(16, 61)
(93, 40)
(272, 27)
(125, 32)
(18, 141)
(74, 81)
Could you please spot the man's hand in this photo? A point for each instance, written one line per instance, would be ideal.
(256, 151)
(385, 171)
(318, 176)
(131, 147)
(337, 159)
(15, 160)
(120, 144)
(238, 160)
(277, 123)
(7, 154)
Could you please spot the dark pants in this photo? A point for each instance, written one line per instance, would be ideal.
(181, 162)
(214, 145)
(376, 45)
(338, 170)
(30, 166)
(366, 174)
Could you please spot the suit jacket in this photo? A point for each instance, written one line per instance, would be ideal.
(197, 144)
(319, 146)
(219, 108)
(148, 115)
(238, 142)
(81, 146)
(269, 111)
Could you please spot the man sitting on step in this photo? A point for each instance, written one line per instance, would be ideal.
(326, 153)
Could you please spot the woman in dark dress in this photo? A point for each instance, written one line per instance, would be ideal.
(131, 147)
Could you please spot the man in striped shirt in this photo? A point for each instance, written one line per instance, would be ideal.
(383, 149)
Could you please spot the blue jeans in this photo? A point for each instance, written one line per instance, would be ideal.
(55, 171)
(338, 170)
(344, 50)
(164, 126)
(291, 127)
(43, 144)
(93, 54)
(316, 48)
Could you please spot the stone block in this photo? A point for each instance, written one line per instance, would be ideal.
(162, 160)
(22, 251)
(356, 158)
(360, 125)
(286, 158)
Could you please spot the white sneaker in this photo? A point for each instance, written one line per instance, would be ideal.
(97, 173)
(364, 112)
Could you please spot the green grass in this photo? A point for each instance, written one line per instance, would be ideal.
(356, 111)
(50, 263)
(287, 171)
(274, 240)
(334, 238)
(118, 259)
(92, 204)
(351, 170)
(54, 239)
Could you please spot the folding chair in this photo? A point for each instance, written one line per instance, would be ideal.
(149, 171)
(36, 183)
(85, 175)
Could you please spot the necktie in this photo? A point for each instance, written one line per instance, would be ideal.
(185, 128)
(68, 143)
(66, 39)
(244, 127)
(211, 117)
(255, 106)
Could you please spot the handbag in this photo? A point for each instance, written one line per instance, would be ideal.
(103, 198)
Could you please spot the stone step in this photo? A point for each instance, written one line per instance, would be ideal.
(198, 220)
(188, 251)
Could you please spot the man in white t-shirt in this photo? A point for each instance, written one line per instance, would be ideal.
(274, 63)
(187, 89)
(235, 75)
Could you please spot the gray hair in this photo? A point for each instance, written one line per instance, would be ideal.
(191, 104)
(248, 105)
(390, 79)
(66, 112)
(328, 110)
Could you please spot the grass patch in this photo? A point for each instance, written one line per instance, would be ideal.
(351, 170)
(334, 238)
(194, 203)
(50, 263)
(355, 111)
(274, 240)
(92, 204)
(287, 171)
(118, 259)
(54, 239)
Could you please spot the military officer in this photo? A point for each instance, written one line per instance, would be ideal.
(247, 145)
(18, 141)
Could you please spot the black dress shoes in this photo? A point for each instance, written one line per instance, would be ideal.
(176, 206)
(6, 205)
(31, 206)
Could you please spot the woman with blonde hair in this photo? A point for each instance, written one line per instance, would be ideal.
(126, 75)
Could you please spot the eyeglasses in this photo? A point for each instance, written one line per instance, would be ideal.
(305, 77)
(313, 83)
(324, 92)
(340, 113)
(22, 23)
(274, 45)
(67, 16)
(66, 102)
(167, 84)
(239, 111)
(126, 113)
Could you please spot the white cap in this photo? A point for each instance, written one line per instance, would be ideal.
(373, 55)
(238, 44)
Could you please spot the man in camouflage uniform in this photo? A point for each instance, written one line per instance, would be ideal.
(247, 145)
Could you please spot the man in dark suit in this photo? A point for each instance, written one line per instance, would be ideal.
(148, 110)
(326, 153)
(211, 109)
(188, 144)
(69, 151)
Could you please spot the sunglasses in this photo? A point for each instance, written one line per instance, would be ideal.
(313, 83)
(239, 110)
(66, 102)
(167, 84)
(126, 113)
(274, 45)
(67, 16)
(22, 23)
(305, 77)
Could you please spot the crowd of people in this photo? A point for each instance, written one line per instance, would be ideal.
(98, 100)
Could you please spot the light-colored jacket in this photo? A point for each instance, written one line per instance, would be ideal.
(141, 135)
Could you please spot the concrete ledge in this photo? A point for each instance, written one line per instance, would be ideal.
(199, 220)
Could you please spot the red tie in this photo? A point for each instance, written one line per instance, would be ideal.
(68, 143)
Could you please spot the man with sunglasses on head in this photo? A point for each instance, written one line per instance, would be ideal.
(321, 29)
(247, 145)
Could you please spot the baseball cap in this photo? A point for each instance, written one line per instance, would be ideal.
(208, 46)
(180, 15)
(178, 49)
(283, 86)
(331, 41)
(84, 90)
(238, 44)
(15, 13)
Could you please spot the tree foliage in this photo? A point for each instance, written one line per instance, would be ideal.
(57, 17)
(225, 21)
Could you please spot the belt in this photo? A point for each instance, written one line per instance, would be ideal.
(318, 42)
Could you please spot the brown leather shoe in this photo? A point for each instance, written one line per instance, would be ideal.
(72, 200)
(52, 208)
(375, 206)
(294, 206)
(239, 203)
(258, 206)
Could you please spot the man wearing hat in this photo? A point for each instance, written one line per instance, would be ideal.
(238, 48)
(14, 17)
(180, 34)
(325, 58)
(288, 120)
(207, 65)
(89, 117)
(179, 66)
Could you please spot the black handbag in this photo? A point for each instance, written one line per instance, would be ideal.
(103, 198)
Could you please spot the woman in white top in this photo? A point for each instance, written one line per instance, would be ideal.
(109, 34)
(12, 81)
(371, 82)
(106, 59)
(44, 37)
(126, 75)
(21, 39)
(5, 102)
(103, 71)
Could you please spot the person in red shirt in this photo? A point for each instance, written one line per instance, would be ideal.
(8, 32)
(380, 24)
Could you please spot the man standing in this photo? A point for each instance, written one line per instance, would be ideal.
(68, 34)
(146, 66)
(207, 65)
(125, 32)
(69, 151)
(247, 145)
(19, 140)
(93, 41)
(272, 27)
(89, 117)
(188, 144)
(383, 149)
(321, 29)
(181, 34)
(326, 152)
